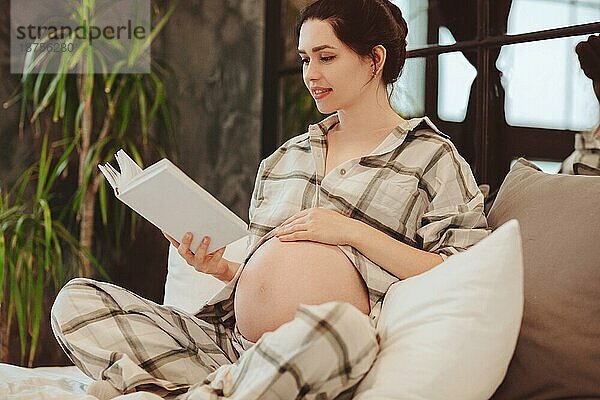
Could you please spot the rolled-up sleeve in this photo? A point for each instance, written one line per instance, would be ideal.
(255, 230)
(454, 219)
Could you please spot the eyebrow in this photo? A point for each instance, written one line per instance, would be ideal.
(317, 48)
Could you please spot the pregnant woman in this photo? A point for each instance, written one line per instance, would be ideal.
(338, 214)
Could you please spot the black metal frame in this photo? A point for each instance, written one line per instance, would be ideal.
(493, 144)
(271, 88)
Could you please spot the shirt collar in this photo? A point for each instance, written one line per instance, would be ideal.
(392, 141)
(320, 129)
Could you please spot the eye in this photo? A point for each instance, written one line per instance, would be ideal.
(304, 61)
(326, 59)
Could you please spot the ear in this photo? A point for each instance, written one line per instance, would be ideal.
(378, 57)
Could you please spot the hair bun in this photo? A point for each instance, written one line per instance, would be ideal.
(362, 25)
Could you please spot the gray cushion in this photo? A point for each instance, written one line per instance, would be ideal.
(558, 350)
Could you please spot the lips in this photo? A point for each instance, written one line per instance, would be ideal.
(320, 92)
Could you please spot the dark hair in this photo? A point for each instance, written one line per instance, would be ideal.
(362, 25)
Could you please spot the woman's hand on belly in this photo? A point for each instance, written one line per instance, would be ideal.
(321, 225)
(281, 275)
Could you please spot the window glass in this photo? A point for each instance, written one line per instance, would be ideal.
(535, 15)
(459, 16)
(408, 94)
(415, 14)
(455, 78)
(545, 86)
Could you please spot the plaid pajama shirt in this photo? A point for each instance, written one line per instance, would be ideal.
(414, 186)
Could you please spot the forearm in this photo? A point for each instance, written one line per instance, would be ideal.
(399, 259)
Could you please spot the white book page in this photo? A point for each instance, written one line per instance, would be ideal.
(129, 168)
(173, 202)
(165, 196)
(111, 175)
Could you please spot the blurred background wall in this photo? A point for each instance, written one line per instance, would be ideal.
(214, 50)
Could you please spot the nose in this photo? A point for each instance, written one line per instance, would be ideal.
(311, 71)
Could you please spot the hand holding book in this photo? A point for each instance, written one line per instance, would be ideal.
(212, 263)
(173, 202)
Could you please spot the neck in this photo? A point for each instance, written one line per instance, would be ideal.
(373, 114)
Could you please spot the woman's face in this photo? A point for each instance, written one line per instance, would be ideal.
(333, 73)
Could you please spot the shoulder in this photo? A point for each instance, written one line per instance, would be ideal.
(424, 130)
(428, 145)
(297, 144)
(293, 153)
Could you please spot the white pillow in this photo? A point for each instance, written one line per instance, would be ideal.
(188, 289)
(450, 333)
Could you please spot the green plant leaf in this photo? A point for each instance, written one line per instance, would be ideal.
(2, 265)
(159, 26)
(75, 59)
(60, 166)
(143, 110)
(44, 167)
(38, 296)
(111, 78)
(47, 227)
(103, 199)
(49, 92)
(17, 299)
(36, 91)
(38, 223)
(159, 97)
(125, 116)
(58, 273)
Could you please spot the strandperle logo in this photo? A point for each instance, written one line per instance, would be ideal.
(67, 36)
(83, 32)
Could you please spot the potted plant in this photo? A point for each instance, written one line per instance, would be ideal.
(78, 116)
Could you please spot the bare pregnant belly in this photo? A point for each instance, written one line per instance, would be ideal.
(281, 275)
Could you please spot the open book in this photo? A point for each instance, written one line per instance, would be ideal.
(173, 202)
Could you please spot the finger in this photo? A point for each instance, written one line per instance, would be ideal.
(296, 219)
(286, 226)
(290, 237)
(296, 216)
(184, 247)
(202, 247)
(291, 228)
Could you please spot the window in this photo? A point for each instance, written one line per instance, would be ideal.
(500, 77)
(528, 68)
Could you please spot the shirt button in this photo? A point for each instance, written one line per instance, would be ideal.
(342, 171)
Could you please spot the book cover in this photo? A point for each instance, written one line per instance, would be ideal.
(169, 199)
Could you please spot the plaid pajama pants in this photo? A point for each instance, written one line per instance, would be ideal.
(113, 334)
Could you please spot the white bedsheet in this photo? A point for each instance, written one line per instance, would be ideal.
(50, 383)
(43, 383)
